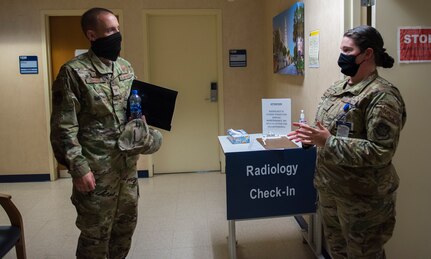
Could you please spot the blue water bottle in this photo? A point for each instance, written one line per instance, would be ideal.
(135, 105)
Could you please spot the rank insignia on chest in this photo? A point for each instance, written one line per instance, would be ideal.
(94, 80)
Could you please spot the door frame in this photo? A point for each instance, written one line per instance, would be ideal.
(209, 12)
(46, 72)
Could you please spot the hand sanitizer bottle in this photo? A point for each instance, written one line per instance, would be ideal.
(302, 117)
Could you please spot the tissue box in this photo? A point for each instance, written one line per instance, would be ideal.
(238, 136)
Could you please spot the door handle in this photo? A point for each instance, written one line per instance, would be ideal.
(214, 92)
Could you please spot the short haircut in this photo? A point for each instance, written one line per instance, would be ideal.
(89, 18)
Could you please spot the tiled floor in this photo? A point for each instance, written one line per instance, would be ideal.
(181, 216)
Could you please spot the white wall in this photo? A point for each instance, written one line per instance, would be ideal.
(412, 236)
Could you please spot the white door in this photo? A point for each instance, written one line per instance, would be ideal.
(182, 55)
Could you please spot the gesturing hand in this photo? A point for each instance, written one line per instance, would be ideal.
(86, 183)
(308, 135)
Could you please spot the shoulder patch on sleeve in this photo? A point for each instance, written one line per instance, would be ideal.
(389, 114)
(382, 131)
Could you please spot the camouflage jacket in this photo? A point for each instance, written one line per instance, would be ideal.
(360, 163)
(89, 113)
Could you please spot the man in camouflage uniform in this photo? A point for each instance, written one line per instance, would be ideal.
(89, 115)
(358, 125)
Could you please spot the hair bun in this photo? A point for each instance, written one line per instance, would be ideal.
(387, 61)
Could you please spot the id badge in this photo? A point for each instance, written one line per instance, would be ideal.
(343, 128)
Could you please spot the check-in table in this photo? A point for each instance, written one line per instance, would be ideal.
(264, 183)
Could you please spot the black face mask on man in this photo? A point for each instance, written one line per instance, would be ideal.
(348, 64)
(108, 47)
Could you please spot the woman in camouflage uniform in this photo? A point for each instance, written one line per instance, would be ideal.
(357, 128)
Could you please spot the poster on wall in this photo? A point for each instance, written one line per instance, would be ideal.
(288, 41)
(414, 44)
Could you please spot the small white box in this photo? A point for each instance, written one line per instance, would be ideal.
(238, 136)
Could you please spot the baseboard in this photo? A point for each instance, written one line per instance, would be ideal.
(143, 174)
(17, 178)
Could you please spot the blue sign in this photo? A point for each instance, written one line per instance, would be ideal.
(237, 58)
(28, 65)
(270, 183)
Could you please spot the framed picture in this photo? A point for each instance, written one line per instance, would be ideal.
(288, 41)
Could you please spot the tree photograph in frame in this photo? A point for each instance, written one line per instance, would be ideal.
(288, 41)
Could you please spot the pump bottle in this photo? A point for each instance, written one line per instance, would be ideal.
(302, 117)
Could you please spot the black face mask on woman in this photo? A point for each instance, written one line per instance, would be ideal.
(108, 47)
(348, 64)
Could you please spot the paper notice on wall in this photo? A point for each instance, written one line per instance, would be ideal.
(313, 49)
(276, 117)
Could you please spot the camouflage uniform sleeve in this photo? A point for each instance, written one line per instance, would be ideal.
(64, 124)
(384, 120)
(153, 142)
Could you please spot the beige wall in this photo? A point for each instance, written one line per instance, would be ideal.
(305, 91)
(23, 133)
(24, 146)
(412, 237)
(413, 231)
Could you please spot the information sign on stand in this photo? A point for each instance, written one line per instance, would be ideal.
(270, 183)
(276, 117)
(264, 182)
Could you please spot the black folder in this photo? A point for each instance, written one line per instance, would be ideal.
(158, 104)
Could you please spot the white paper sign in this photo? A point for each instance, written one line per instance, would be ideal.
(313, 49)
(276, 117)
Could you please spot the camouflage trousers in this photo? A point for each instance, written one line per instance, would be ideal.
(356, 226)
(107, 216)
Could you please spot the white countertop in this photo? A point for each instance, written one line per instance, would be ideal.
(228, 147)
(254, 145)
